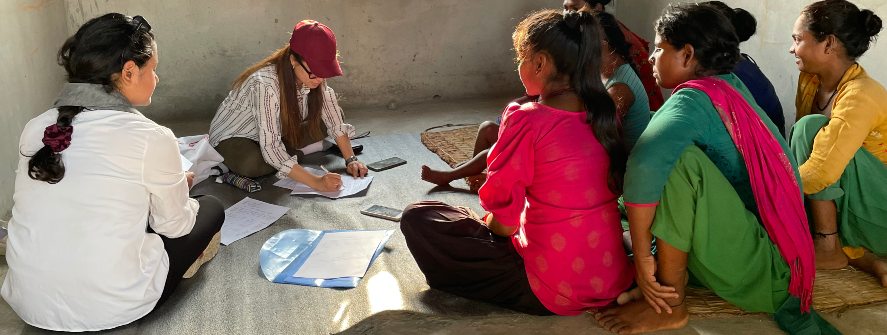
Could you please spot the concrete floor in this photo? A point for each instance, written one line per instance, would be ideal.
(386, 304)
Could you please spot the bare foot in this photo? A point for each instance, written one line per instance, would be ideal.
(435, 176)
(829, 254)
(638, 317)
(881, 271)
(873, 265)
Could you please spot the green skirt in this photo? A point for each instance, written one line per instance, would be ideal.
(728, 250)
(860, 194)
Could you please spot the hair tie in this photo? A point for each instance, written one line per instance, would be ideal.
(573, 20)
(57, 138)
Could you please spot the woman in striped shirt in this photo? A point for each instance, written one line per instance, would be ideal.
(280, 109)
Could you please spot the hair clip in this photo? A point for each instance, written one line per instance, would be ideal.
(140, 21)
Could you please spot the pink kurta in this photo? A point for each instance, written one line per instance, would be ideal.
(548, 176)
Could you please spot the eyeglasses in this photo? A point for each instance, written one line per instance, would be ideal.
(310, 75)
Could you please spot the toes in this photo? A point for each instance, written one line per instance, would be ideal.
(625, 330)
(605, 321)
(610, 323)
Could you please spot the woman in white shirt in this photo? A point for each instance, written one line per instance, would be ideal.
(280, 108)
(102, 228)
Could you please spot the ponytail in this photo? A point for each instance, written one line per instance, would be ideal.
(47, 165)
(599, 106)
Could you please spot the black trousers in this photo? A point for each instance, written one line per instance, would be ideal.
(183, 251)
(460, 255)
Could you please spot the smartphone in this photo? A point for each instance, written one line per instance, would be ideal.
(386, 164)
(383, 212)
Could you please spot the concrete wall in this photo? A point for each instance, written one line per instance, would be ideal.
(391, 50)
(769, 47)
(31, 32)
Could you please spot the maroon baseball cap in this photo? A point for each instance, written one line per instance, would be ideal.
(316, 43)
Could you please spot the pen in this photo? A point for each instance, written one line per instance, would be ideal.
(324, 169)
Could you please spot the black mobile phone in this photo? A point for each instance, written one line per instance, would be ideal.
(386, 164)
(383, 212)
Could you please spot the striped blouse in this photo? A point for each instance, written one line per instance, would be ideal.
(252, 111)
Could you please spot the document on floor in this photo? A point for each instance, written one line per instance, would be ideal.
(247, 217)
(350, 185)
(329, 258)
(341, 254)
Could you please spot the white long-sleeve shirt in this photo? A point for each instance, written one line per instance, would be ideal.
(78, 253)
(252, 111)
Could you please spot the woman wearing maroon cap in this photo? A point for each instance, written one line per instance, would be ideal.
(280, 109)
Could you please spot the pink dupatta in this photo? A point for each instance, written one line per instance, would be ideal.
(773, 182)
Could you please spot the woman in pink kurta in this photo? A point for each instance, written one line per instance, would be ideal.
(552, 240)
(548, 176)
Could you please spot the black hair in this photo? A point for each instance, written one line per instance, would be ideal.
(614, 36)
(94, 55)
(855, 28)
(595, 2)
(573, 41)
(743, 22)
(713, 38)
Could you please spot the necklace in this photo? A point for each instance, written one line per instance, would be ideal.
(833, 93)
(827, 101)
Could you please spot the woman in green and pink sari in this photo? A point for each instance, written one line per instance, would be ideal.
(711, 179)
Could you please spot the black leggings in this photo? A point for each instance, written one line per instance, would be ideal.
(460, 255)
(183, 251)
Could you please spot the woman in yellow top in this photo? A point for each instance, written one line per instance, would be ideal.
(839, 136)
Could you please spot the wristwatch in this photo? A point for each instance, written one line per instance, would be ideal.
(350, 159)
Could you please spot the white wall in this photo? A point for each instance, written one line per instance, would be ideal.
(769, 47)
(391, 50)
(31, 32)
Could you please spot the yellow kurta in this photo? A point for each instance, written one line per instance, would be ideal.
(859, 119)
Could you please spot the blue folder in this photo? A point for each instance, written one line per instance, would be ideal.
(284, 253)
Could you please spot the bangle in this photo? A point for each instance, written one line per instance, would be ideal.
(350, 160)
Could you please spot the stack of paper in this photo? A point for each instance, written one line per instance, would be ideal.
(247, 217)
(342, 254)
(350, 185)
(329, 258)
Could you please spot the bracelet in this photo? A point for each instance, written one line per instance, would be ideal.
(824, 235)
(350, 160)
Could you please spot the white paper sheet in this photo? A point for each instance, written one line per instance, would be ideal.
(342, 254)
(350, 185)
(186, 164)
(247, 217)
